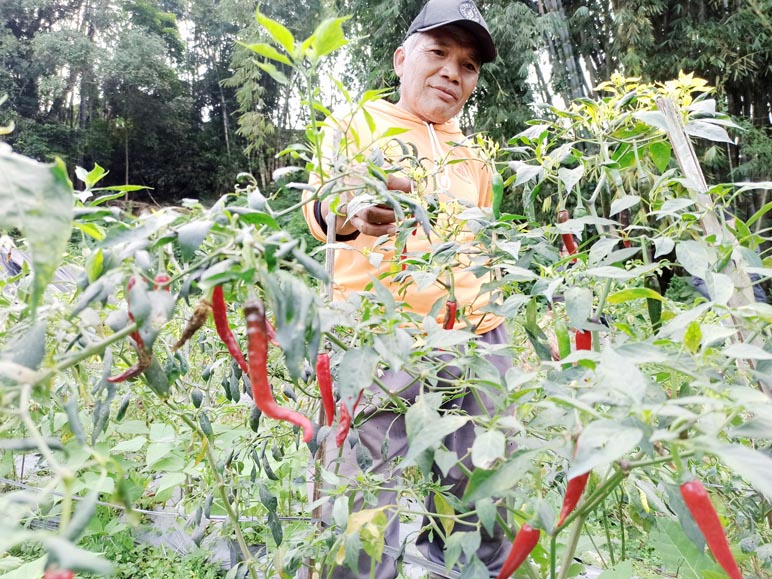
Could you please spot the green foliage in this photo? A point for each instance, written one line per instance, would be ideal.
(650, 405)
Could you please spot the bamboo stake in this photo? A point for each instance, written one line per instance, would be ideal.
(690, 166)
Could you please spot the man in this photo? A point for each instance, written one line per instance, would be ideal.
(438, 66)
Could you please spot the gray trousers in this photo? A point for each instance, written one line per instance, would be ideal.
(378, 425)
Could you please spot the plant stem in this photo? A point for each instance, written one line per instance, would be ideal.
(34, 433)
(553, 556)
(594, 545)
(623, 556)
(594, 500)
(656, 461)
(573, 541)
(220, 484)
(91, 350)
(608, 535)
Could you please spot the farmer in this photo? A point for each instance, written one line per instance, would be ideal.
(438, 67)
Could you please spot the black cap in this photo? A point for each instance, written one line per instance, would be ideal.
(463, 13)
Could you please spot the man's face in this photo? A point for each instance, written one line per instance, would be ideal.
(438, 73)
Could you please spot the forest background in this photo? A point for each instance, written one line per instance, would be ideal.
(162, 94)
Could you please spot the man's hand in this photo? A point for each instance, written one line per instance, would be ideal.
(376, 220)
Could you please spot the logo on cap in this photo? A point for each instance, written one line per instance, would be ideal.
(469, 11)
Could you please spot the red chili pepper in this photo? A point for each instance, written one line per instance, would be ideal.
(568, 239)
(344, 425)
(574, 491)
(197, 319)
(325, 386)
(583, 340)
(451, 307)
(698, 502)
(525, 541)
(220, 315)
(257, 340)
(58, 574)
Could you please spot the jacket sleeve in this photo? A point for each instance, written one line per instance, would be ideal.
(312, 208)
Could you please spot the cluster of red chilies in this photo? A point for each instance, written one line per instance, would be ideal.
(259, 333)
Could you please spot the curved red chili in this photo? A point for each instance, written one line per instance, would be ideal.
(128, 373)
(574, 491)
(257, 340)
(526, 539)
(568, 239)
(451, 306)
(583, 340)
(344, 425)
(698, 502)
(325, 386)
(220, 315)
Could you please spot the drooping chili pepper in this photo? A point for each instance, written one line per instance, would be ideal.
(698, 502)
(197, 319)
(325, 386)
(497, 185)
(526, 539)
(653, 305)
(257, 340)
(220, 315)
(144, 360)
(568, 238)
(156, 378)
(451, 306)
(583, 340)
(344, 425)
(58, 574)
(196, 397)
(129, 373)
(574, 491)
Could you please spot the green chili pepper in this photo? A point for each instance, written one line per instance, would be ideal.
(123, 407)
(196, 397)
(497, 183)
(254, 418)
(157, 379)
(206, 426)
(564, 341)
(653, 305)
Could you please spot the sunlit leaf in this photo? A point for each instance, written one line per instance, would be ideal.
(280, 34)
(328, 37)
(268, 51)
(37, 199)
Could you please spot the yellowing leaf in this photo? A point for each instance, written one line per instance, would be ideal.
(447, 513)
(693, 337)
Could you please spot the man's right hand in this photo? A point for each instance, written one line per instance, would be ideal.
(376, 220)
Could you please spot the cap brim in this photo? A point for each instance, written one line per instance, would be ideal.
(487, 48)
